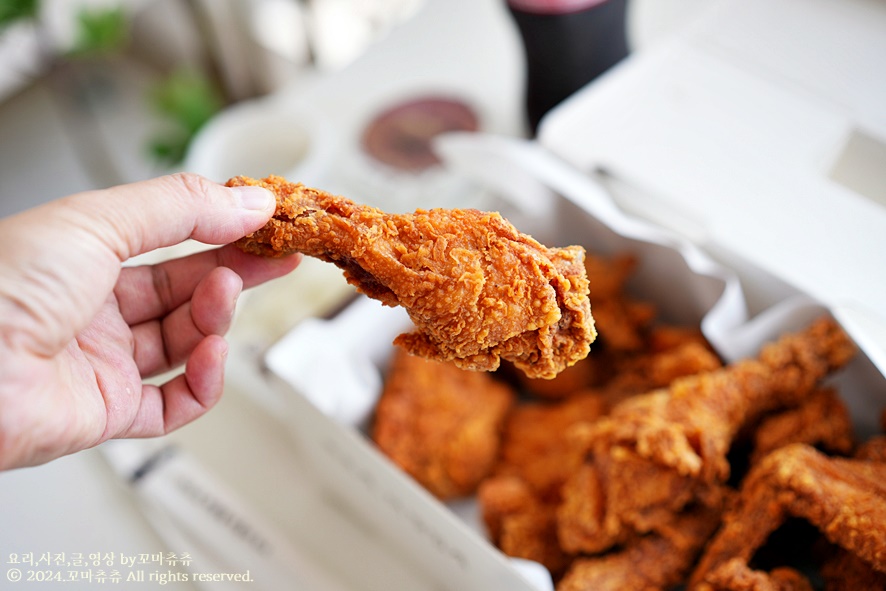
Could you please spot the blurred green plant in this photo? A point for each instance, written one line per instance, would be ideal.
(15, 10)
(100, 32)
(187, 100)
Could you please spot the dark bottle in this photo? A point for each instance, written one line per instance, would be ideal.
(568, 43)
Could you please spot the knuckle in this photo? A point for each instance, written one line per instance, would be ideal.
(192, 183)
(162, 285)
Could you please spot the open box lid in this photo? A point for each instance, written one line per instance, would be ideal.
(759, 131)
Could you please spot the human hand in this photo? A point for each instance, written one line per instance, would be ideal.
(79, 332)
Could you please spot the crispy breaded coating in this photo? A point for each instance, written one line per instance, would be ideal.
(521, 524)
(643, 373)
(657, 452)
(582, 503)
(618, 376)
(536, 445)
(441, 424)
(843, 570)
(657, 561)
(845, 499)
(821, 420)
(586, 498)
(477, 290)
(736, 575)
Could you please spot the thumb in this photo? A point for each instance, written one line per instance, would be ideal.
(60, 261)
(140, 217)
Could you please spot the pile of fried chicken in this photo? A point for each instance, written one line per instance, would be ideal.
(646, 466)
(651, 465)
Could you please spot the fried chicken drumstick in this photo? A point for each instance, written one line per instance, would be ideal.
(657, 452)
(654, 562)
(844, 498)
(477, 290)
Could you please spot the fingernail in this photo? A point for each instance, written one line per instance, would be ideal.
(254, 198)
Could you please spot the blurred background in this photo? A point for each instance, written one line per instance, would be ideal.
(99, 92)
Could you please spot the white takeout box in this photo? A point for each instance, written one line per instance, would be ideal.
(759, 132)
(741, 140)
(330, 372)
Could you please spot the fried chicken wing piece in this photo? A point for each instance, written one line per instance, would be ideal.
(821, 420)
(581, 527)
(441, 424)
(845, 499)
(657, 452)
(584, 521)
(622, 375)
(610, 274)
(477, 290)
(621, 320)
(657, 561)
(520, 524)
(843, 570)
(536, 445)
(652, 371)
(736, 575)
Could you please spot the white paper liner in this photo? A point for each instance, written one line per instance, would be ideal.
(338, 364)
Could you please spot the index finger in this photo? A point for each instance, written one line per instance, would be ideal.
(152, 291)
